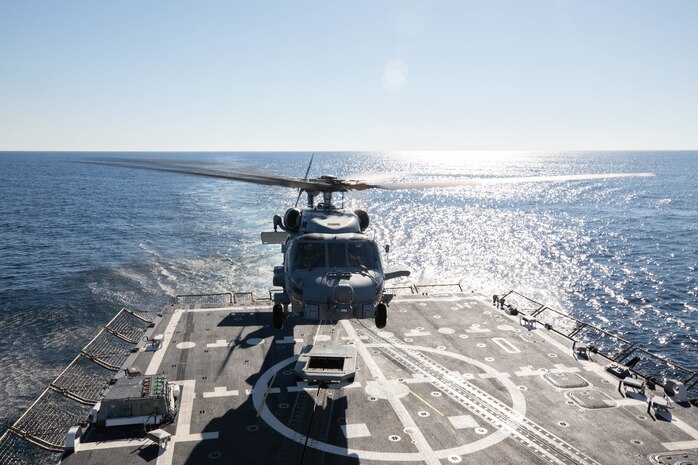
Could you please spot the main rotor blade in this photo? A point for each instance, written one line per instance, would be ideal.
(494, 181)
(330, 184)
(202, 169)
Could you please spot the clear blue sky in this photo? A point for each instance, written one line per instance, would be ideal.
(333, 75)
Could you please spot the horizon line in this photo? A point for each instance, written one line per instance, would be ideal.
(338, 150)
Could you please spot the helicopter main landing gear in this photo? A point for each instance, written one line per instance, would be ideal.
(278, 316)
(381, 315)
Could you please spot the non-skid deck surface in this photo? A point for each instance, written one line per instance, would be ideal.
(451, 379)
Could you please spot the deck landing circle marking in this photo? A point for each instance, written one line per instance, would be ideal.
(518, 406)
(186, 345)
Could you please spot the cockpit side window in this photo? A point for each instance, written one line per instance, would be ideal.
(363, 254)
(309, 255)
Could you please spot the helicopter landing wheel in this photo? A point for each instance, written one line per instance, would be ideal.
(278, 316)
(381, 316)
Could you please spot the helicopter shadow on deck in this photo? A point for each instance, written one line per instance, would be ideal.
(244, 437)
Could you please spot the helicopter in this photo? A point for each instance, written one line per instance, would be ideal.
(332, 269)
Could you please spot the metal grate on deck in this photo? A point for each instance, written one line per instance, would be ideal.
(16, 451)
(83, 380)
(48, 420)
(128, 326)
(108, 350)
(38, 436)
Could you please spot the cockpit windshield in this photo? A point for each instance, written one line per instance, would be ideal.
(309, 255)
(335, 254)
(363, 254)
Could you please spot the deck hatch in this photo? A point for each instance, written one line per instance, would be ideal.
(326, 363)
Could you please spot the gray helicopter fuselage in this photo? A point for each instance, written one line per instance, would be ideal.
(332, 269)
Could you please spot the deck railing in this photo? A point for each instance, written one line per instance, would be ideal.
(608, 344)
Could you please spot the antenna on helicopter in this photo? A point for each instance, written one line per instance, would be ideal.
(300, 190)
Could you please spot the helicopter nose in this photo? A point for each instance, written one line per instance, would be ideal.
(343, 294)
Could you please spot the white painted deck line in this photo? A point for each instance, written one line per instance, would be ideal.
(463, 421)
(476, 330)
(182, 433)
(220, 391)
(301, 386)
(506, 346)
(289, 340)
(154, 365)
(494, 375)
(685, 427)
(198, 436)
(528, 371)
(560, 368)
(401, 411)
(416, 380)
(631, 402)
(679, 445)
(136, 442)
(358, 430)
(218, 344)
(274, 390)
(415, 333)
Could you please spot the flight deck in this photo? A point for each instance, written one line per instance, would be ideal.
(454, 377)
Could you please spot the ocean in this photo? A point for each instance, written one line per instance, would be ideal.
(80, 241)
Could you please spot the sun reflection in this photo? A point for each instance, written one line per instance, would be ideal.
(463, 157)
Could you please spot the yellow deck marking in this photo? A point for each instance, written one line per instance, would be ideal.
(264, 400)
(420, 398)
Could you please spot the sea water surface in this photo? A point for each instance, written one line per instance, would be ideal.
(79, 241)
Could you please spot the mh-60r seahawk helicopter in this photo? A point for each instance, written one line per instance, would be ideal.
(331, 269)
